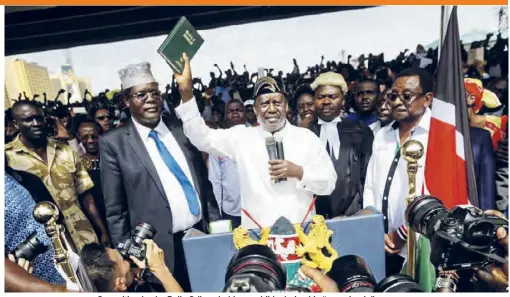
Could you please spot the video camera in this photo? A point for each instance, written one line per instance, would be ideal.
(134, 246)
(461, 238)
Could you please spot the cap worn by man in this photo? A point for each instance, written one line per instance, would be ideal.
(136, 74)
(266, 85)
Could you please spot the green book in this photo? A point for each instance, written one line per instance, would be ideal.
(184, 38)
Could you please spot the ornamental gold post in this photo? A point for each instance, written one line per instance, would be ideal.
(46, 213)
(411, 151)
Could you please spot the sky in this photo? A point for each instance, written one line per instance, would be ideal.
(273, 44)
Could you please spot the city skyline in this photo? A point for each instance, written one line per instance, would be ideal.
(31, 80)
(273, 44)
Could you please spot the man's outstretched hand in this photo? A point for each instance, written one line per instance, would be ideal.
(184, 80)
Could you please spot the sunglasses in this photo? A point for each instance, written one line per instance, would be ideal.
(103, 117)
(142, 96)
(405, 96)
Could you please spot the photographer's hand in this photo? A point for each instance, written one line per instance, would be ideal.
(156, 261)
(323, 281)
(494, 275)
(22, 263)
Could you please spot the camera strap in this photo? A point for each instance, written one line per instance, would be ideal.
(387, 188)
(389, 178)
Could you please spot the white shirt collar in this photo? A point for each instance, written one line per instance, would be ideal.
(144, 131)
(329, 135)
(333, 121)
(424, 122)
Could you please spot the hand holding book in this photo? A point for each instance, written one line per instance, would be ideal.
(184, 80)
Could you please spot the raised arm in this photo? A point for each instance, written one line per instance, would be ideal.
(217, 142)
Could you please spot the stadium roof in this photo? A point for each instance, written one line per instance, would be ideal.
(33, 29)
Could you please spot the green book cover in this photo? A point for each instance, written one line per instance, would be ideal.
(184, 38)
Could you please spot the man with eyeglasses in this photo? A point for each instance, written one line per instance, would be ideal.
(151, 173)
(348, 142)
(386, 185)
(366, 94)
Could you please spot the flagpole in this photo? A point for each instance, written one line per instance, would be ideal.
(441, 35)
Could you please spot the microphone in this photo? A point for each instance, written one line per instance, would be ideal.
(279, 150)
(272, 151)
(271, 148)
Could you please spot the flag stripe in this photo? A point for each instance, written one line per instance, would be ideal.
(447, 180)
(449, 168)
(445, 112)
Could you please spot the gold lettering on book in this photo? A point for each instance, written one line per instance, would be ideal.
(189, 37)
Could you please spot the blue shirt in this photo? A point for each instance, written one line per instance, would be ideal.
(224, 178)
(366, 120)
(19, 224)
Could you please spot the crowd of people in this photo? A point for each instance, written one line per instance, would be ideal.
(196, 153)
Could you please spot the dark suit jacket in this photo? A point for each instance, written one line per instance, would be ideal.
(485, 167)
(133, 192)
(502, 176)
(355, 150)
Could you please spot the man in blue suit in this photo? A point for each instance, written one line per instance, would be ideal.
(485, 161)
(485, 167)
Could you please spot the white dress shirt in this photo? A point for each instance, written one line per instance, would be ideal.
(384, 149)
(329, 134)
(264, 200)
(182, 218)
(375, 127)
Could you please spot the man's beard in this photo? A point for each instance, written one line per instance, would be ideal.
(272, 128)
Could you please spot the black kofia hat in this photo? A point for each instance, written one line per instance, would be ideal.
(266, 85)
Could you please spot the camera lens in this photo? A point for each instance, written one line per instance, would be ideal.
(30, 248)
(352, 274)
(398, 283)
(424, 213)
(143, 231)
(260, 266)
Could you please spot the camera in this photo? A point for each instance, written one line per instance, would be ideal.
(255, 268)
(134, 246)
(30, 248)
(352, 274)
(461, 238)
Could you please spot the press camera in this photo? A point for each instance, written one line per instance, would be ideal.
(461, 238)
(134, 246)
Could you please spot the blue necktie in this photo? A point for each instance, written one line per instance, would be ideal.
(176, 170)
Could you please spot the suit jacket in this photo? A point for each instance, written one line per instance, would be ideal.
(356, 141)
(502, 176)
(133, 192)
(485, 167)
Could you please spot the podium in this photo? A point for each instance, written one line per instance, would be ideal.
(207, 256)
